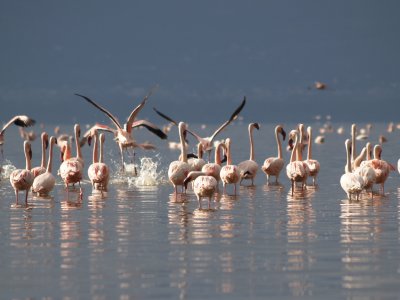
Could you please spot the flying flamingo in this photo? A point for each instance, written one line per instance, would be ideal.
(248, 168)
(381, 167)
(207, 142)
(98, 171)
(41, 169)
(296, 170)
(44, 183)
(203, 186)
(22, 179)
(21, 120)
(214, 169)
(351, 183)
(313, 165)
(123, 134)
(230, 174)
(273, 165)
(179, 169)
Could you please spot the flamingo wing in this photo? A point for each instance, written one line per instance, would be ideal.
(150, 126)
(113, 119)
(21, 120)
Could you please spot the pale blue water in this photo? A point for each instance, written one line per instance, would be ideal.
(138, 242)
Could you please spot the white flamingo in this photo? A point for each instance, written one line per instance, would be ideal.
(123, 134)
(196, 163)
(21, 120)
(248, 168)
(365, 171)
(351, 183)
(42, 168)
(203, 186)
(273, 165)
(179, 169)
(71, 170)
(44, 183)
(230, 174)
(207, 142)
(296, 170)
(98, 171)
(214, 169)
(313, 164)
(22, 179)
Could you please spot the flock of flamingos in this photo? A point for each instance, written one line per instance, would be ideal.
(360, 172)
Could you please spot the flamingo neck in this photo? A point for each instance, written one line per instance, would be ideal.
(50, 161)
(377, 152)
(294, 151)
(101, 150)
(182, 140)
(228, 153)
(77, 145)
(251, 142)
(199, 150)
(43, 153)
(353, 142)
(368, 151)
(95, 155)
(300, 145)
(67, 152)
(359, 158)
(278, 142)
(348, 158)
(309, 150)
(217, 154)
(28, 165)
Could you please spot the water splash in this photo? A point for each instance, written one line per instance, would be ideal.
(6, 169)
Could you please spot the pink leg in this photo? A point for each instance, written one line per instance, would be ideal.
(26, 197)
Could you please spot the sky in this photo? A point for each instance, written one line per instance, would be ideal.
(205, 56)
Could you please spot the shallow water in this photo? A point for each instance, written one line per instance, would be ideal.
(140, 241)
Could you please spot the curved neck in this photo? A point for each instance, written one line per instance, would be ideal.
(217, 154)
(50, 161)
(377, 152)
(368, 151)
(294, 150)
(278, 142)
(199, 151)
(67, 152)
(359, 158)
(251, 142)
(43, 152)
(309, 150)
(95, 155)
(182, 139)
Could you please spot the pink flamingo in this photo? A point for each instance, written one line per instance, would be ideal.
(313, 164)
(214, 169)
(230, 174)
(22, 179)
(98, 171)
(273, 165)
(44, 183)
(71, 170)
(248, 168)
(203, 186)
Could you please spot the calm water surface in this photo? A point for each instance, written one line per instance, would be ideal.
(140, 241)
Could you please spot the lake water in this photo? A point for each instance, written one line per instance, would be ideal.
(139, 241)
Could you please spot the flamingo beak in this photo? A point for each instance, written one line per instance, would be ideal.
(283, 132)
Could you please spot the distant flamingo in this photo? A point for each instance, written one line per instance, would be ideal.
(204, 186)
(313, 164)
(44, 183)
(179, 169)
(248, 168)
(21, 120)
(351, 183)
(42, 168)
(230, 174)
(22, 179)
(207, 142)
(296, 170)
(98, 171)
(123, 134)
(214, 169)
(273, 165)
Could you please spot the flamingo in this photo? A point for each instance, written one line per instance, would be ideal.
(203, 186)
(98, 171)
(214, 169)
(296, 170)
(230, 174)
(71, 170)
(79, 156)
(313, 165)
(21, 120)
(381, 167)
(351, 183)
(207, 142)
(366, 171)
(22, 179)
(196, 163)
(123, 134)
(41, 169)
(273, 165)
(44, 183)
(179, 169)
(248, 168)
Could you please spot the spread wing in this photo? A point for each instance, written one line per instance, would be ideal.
(150, 126)
(22, 120)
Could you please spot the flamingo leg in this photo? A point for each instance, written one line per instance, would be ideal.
(234, 189)
(292, 187)
(199, 200)
(209, 202)
(122, 157)
(16, 196)
(26, 197)
(80, 190)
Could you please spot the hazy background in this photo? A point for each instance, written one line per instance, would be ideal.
(203, 55)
